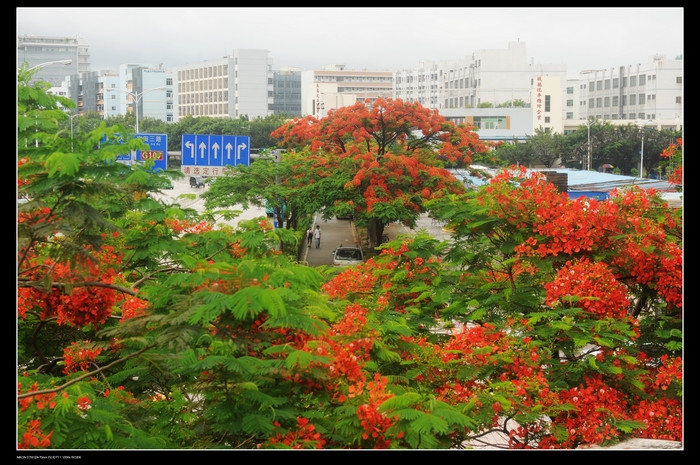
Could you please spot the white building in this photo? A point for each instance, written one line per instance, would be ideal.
(496, 77)
(650, 93)
(38, 50)
(640, 92)
(334, 87)
(231, 87)
(136, 88)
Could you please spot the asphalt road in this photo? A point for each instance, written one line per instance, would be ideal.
(182, 186)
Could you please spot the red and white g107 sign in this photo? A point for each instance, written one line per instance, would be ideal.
(151, 154)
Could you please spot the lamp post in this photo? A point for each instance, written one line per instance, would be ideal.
(589, 161)
(42, 65)
(642, 125)
(137, 98)
(71, 129)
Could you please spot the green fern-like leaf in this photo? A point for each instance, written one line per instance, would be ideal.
(408, 414)
(429, 423)
(65, 164)
(452, 416)
(244, 303)
(298, 358)
(209, 362)
(272, 302)
(398, 402)
(257, 424)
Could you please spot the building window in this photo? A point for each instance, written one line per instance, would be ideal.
(633, 81)
(569, 103)
(606, 102)
(678, 100)
(616, 83)
(642, 79)
(547, 103)
(569, 90)
(599, 85)
(607, 84)
(615, 101)
(633, 99)
(569, 115)
(642, 99)
(546, 119)
(679, 79)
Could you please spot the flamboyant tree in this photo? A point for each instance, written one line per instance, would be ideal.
(547, 322)
(390, 155)
(142, 325)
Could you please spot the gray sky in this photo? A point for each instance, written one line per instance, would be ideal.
(377, 39)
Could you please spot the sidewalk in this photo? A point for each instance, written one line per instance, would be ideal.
(334, 233)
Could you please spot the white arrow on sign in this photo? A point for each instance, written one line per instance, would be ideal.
(190, 146)
(202, 148)
(216, 149)
(228, 150)
(238, 150)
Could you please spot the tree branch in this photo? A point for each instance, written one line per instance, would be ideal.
(82, 377)
(27, 283)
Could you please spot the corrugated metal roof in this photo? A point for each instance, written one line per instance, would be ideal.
(594, 181)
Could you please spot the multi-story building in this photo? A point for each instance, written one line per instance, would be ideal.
(286, 88)
(570, 101)
(642, 94)
(649, 92)
(495, 77)
(489, 88)
(38, 50)
(231, 87)
(134, 88)
(334, 87)
(108, 105)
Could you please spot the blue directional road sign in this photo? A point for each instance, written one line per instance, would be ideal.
(208, 150)
(158, 152)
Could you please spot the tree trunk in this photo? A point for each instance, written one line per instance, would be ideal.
(375, 233)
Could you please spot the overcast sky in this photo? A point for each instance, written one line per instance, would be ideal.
(377, 39)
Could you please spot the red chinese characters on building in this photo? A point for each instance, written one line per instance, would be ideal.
(538, 97)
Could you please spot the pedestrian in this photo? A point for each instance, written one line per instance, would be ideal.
(309, 235)
(317, 235)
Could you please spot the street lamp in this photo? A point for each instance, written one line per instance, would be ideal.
(642, 125)
(71, 129)
(590, 157)
(48, 63)
(137, 98)
(42, 65)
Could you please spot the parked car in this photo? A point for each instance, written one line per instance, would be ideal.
(196, 181)
(348, 255)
